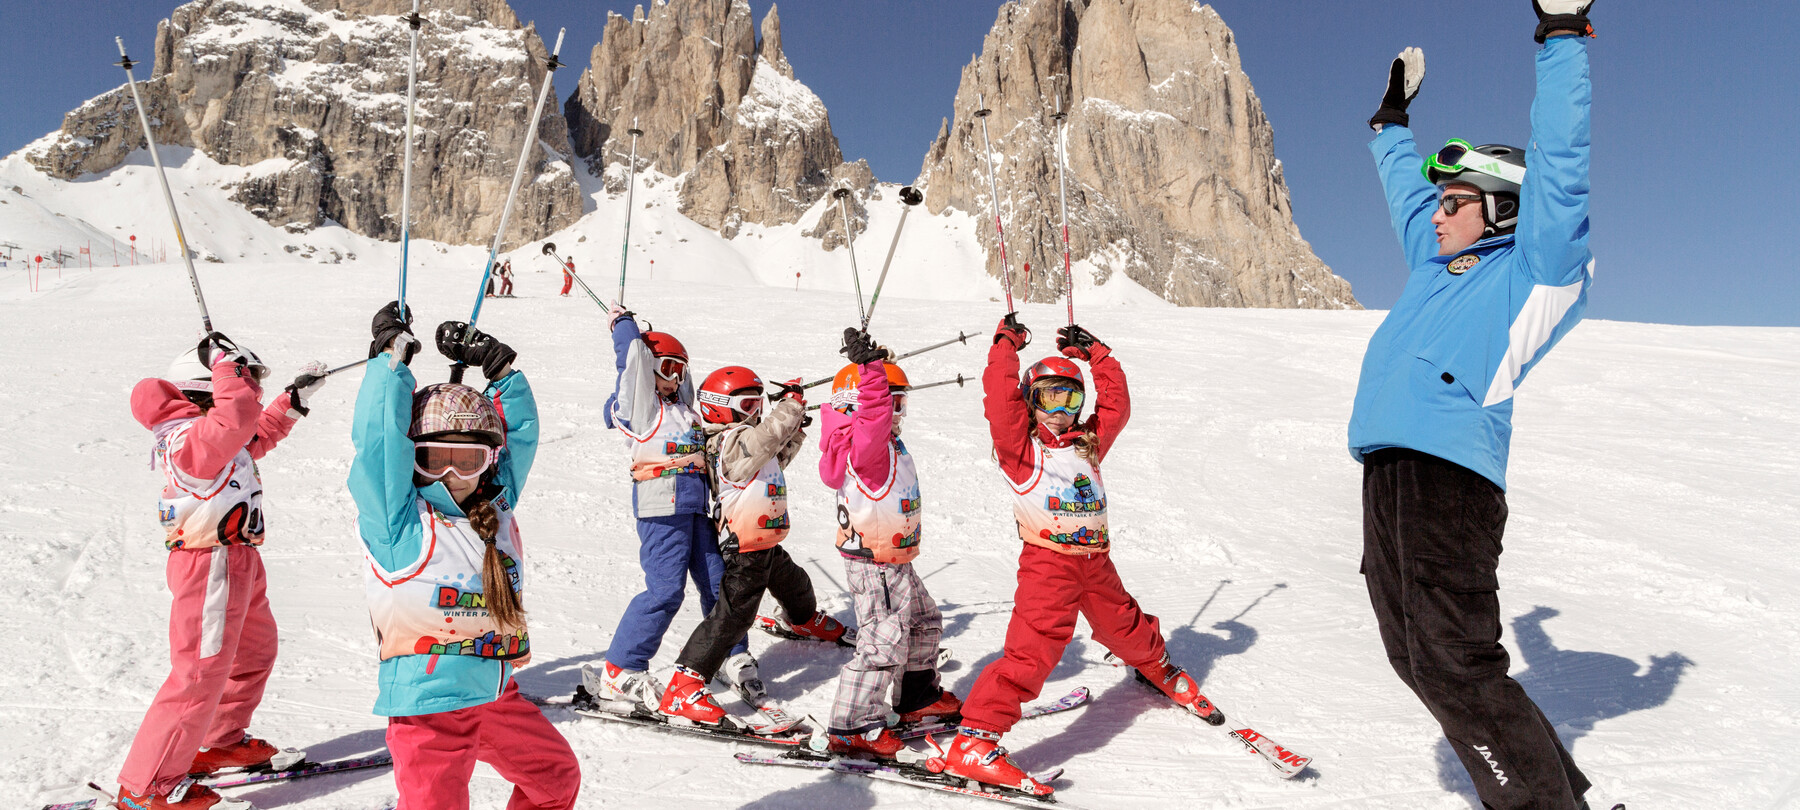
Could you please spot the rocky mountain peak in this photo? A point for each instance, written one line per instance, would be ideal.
(314, 96)
(714, 104)
(1172, 175)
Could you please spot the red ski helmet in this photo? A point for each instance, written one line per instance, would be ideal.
(663, 344)
(729, 395)
(843, 386)
(1053, 366)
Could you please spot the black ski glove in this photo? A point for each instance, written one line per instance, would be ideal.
(861, 348)
(1074, 336)
(312, 378)
(1011, 330)
(791, 388)
(1405, 76)
(465, 344)
(1562, 15)
(387, 325)
(215, 347)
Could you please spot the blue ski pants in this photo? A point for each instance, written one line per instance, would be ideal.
(671, 550)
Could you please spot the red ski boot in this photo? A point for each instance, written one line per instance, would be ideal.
(686, 697)
(1180, 687)
(976, 755)
(947, 708)
(189, 795)
(879, 742)
(823, 628)
(248, 753)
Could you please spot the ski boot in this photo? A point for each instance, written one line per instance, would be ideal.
(249, 753)
(823, 628)
(687, 698)
(741, 674)
(1174, 681)
(947, 708)
(878, 742)
(976, 755)
(619, 690)
(188, 795)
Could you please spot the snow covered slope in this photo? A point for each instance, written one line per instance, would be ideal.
(1648, 579)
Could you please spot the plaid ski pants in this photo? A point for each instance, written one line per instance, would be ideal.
(898, 628)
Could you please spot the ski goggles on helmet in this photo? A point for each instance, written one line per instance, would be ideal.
(670, 367)
(461, 459)
(1459, 156)
(1058, 399)
(1452, 202)
(746, 404)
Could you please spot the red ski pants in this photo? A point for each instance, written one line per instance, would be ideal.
(568, 282)
(435, 754)
(1053, 588)
(221, 648)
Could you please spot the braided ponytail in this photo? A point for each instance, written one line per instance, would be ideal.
(503, 602)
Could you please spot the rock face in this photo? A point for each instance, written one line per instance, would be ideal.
(319, 92)
(714, 103)
(1172, 176)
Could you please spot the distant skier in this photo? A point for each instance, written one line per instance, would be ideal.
(506, 279)
(1499, 272)
(746, 454)
(1051, 460)
(435, 478)
(210, 428)
(568, 277)
(898, 623)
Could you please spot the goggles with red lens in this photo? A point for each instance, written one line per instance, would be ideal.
(670, 367)
(746, 404)
(466, 461)
(899, 402)
(1058, 399)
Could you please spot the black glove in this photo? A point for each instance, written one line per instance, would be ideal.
(465, 344)
(1011, 330)
(215, 347)
(861, 348)
(303, 387)
(387, 325)
(1075, 336)
(1405, 76)
(792, 388)
(1562, 15)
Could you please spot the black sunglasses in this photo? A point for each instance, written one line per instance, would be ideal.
(1451, 202)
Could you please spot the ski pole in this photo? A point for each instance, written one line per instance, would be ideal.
(911, 197)
(162, 176)
(994, 198)
(961, 337)
(630, 188)
(1062, 186)
(958, 380)
(346, 366)
(550, 66)
(550, 250)
(842, 193)
(412, 85)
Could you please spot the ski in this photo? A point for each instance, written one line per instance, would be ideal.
(299, 770)
(905, 774)
(1076, 697)
(732, 730)
(1285, 761)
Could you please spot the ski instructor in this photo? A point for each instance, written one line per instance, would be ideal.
(1495, 239)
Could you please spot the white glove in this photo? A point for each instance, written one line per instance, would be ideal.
(1405, 75)
(1563, 6)
(312, 377)
(399, 348)
(1562, 15)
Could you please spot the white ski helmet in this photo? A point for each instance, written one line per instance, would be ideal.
(188, 373)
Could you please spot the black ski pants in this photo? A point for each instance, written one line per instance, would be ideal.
(1431, 546)
(747, 576)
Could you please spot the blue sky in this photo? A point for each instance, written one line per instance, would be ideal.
(1690, 104)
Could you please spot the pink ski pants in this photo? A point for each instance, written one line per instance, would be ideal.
(435, 754)
(221, 648)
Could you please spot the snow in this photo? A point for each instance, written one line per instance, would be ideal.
(1647, 584)
(775, 100)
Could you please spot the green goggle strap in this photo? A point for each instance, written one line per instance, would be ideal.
(1473, 161)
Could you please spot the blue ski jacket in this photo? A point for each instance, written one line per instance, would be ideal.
(381, 484)
(1439, 374)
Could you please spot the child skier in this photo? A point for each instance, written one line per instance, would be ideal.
(210, 428)
(1052, 463)
(746, 455)
(898, 624)
(435, 478)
